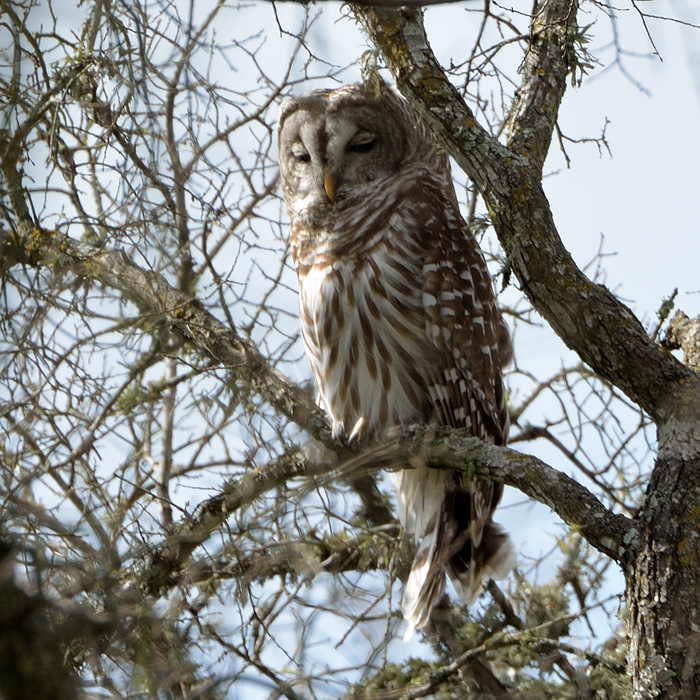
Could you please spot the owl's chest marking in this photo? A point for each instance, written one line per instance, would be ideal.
(364, 328)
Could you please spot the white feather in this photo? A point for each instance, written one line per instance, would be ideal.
(421, 499)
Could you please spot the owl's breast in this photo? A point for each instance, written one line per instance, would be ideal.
(350, 229)
(363, 325)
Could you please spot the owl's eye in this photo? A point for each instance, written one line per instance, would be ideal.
(364, 146)
(301, 156)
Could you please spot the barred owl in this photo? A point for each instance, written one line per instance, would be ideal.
(398, 316)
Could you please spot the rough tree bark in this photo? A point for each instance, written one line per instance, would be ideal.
(660, 555)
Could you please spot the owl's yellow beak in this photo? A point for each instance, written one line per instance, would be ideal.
(329, 186)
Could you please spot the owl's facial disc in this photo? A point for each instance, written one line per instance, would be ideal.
(334, 153)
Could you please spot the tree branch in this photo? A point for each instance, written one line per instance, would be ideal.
(458, 451)
(346, 551)
(441, 448)
(447, 449)
(154, 297)
(571, 501)
(548, 63)
(529, 638)
(603, 331)
(167, 561)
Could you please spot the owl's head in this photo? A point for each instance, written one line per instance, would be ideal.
(339, 146)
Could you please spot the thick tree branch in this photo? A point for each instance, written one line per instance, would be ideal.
(167, 561)
(458, 451)
(442, 449)
(603, 331)
(570, 500)
(156, 298)
(367, 550)
(548, 63)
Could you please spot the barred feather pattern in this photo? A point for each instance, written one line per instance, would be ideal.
(398, 317)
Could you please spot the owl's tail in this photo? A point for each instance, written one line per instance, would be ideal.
(450, 519)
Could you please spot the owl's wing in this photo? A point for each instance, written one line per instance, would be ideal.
(464, 322)
(466, 390)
